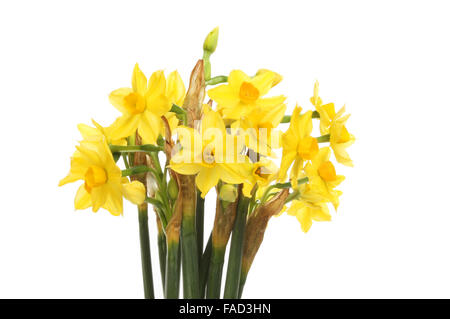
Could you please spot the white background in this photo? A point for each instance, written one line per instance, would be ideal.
(387, 61)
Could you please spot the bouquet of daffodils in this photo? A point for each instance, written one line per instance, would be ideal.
(220, 136)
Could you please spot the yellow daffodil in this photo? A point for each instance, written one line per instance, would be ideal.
(298, 145)
(340, 139)
(209, 153)
(262, 173)
(99, 132)
(307, 212)
(259, 127)
(333, 123)
(243, 93)
(143, 105)
(322, 178)
(103, 185)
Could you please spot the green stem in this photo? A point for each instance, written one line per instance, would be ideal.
(145, 252)
(217, 80)
(207, 64)
(180, 112)
(242, 283)
(191, 284)
(134, 148)
(162, 251)
(199, 223)
(288, 184)
(292, 196)
(215, 273)
(266, 194)
(323, 138)
(172, 287)
(125, 160)
(136, 170)
(235, 256)
(204, 266)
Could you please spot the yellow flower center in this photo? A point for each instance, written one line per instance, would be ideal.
(261, 173)
(248, 93)
(327, 171)
(307, 147)
(134, 103)
(208, 156)
(345, 136)
(95, 176)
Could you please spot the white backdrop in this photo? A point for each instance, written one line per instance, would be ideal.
(387, 61)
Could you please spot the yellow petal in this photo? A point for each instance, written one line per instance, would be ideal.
(158, 104)
(320, 213)
(149, 127)
(305, 219)
(263, 82)
(175, 88)
(273, 115)
(125, 126)
(117, 99)
(271, 101)
(206, 179)
(98, 196)
(224, 95)
(82, 198)
(114, 201)
(139, 81)
(236, 78)
(305, 124)
(89, 155)
(235, 173)
(87, 131)
(247, 189)
(157, 83)
(286, 162)
(213, 121)
(134, 192)
(185, 168)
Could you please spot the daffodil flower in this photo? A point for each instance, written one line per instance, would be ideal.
(322, 177)
(99, 132)
(333, 123)
(307, 212)
(259, 127)
(204, 153)
(243, 93)
(103, 184)
(143, 105)
(298, 145)
(262, 174)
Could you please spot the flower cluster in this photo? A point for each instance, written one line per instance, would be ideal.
(229, 143)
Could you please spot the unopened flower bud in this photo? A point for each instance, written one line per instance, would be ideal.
(210, 43)
(228, 193)
(173, 189)
(152, 186)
